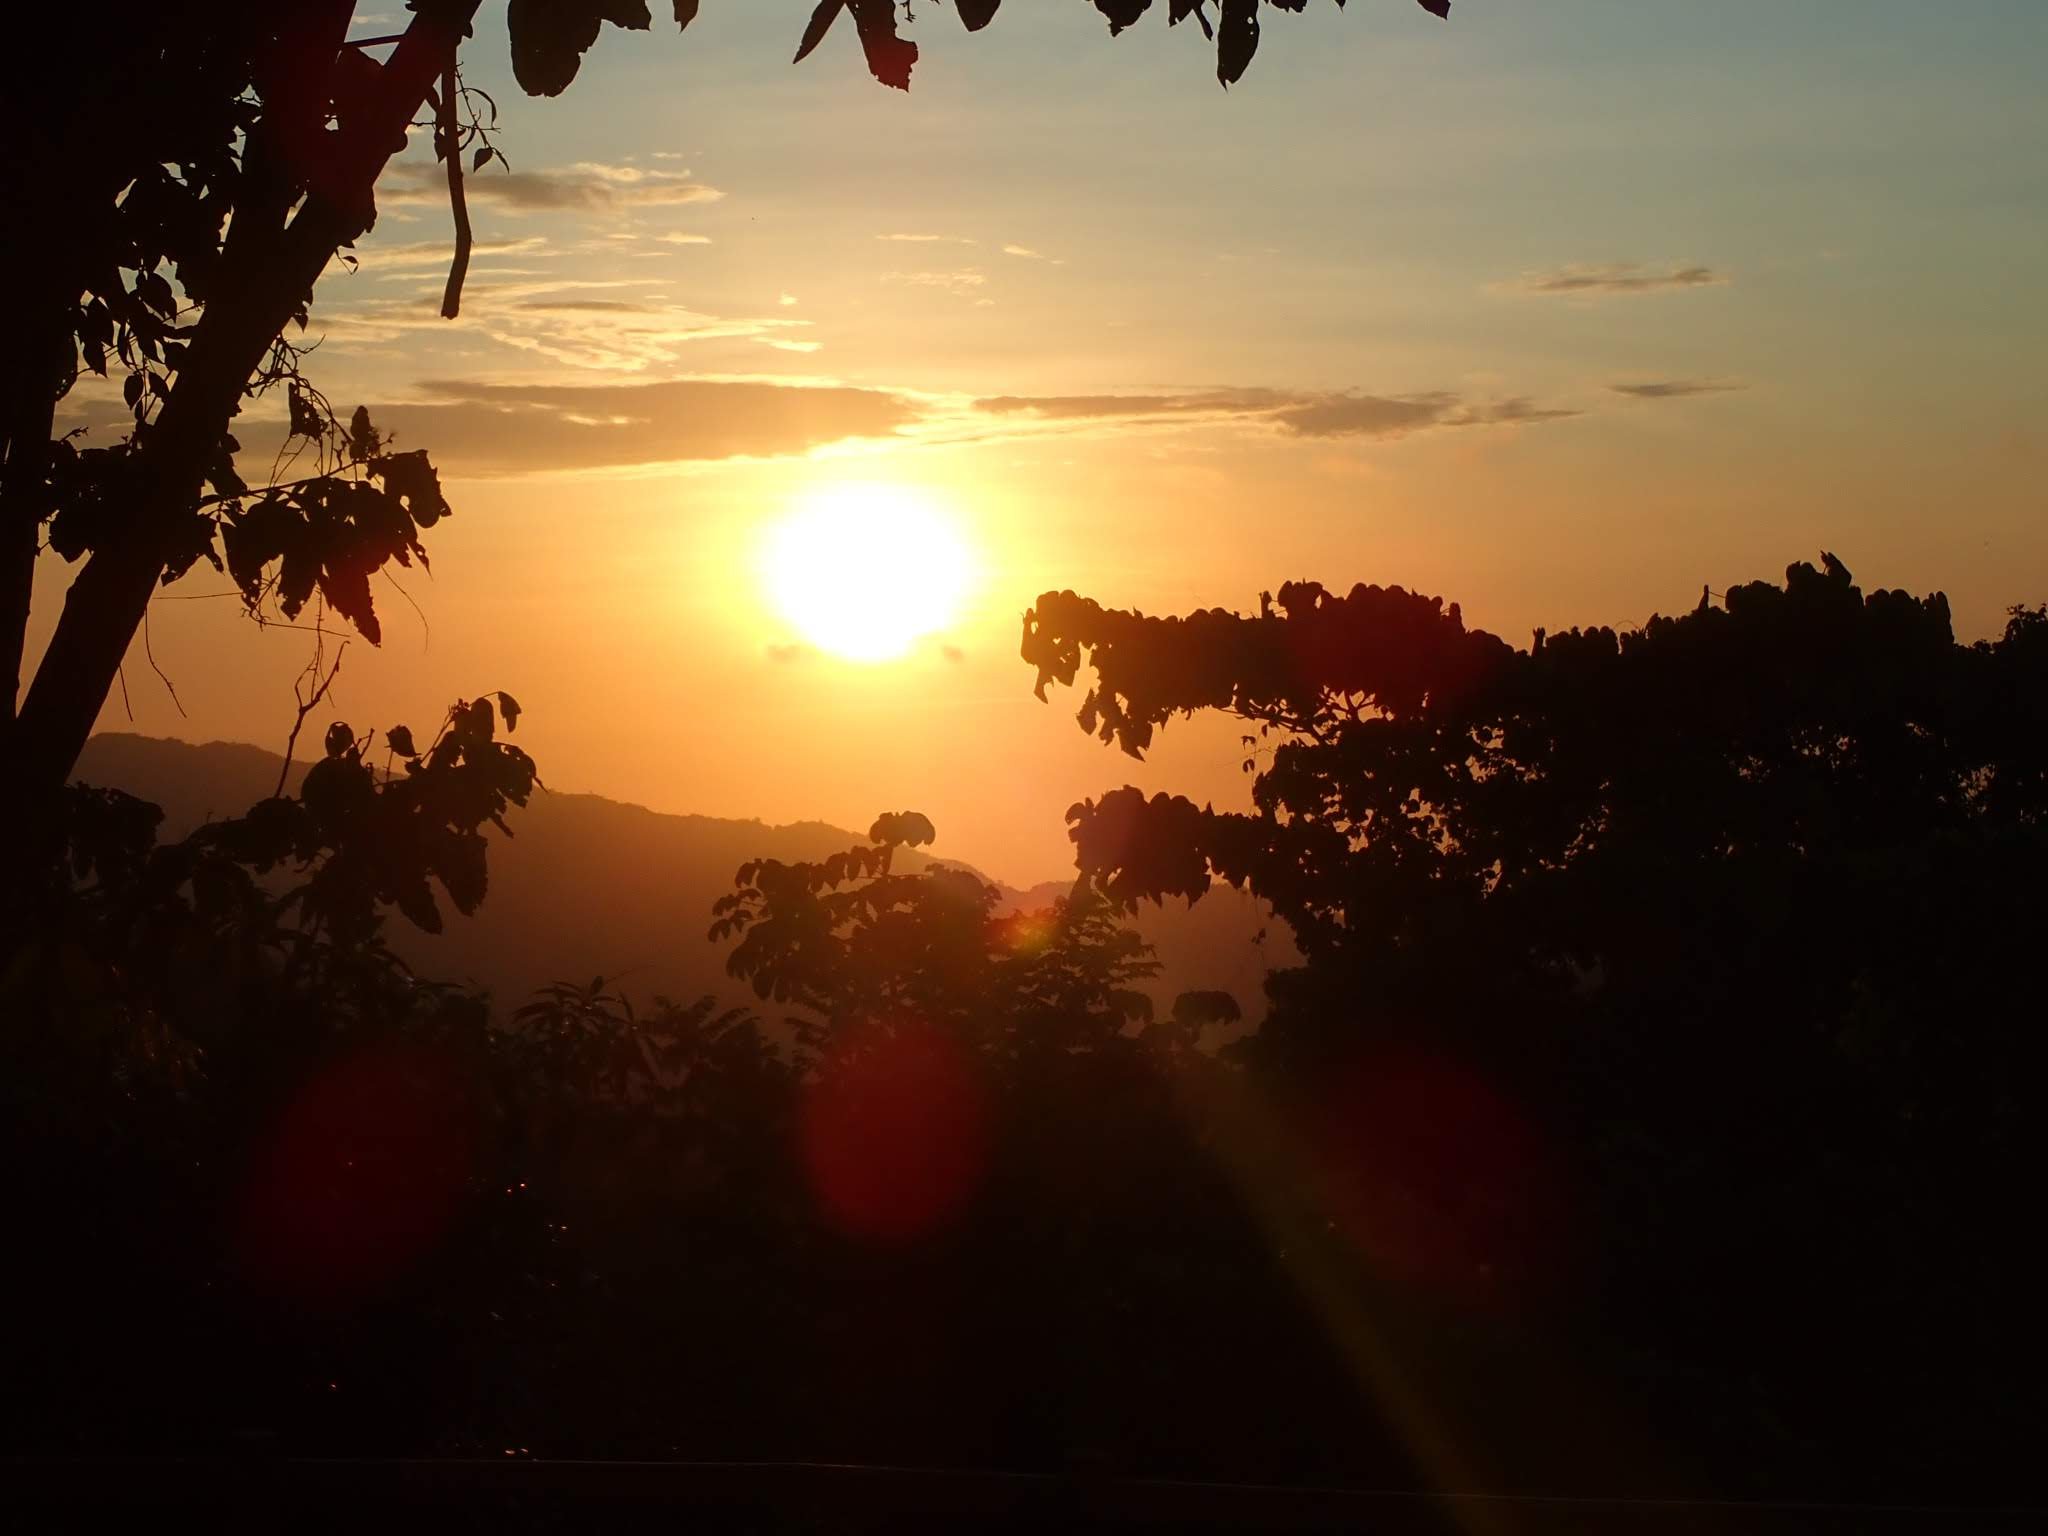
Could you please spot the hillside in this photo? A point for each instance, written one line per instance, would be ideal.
(591, 886)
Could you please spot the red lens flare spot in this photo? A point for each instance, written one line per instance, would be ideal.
(1440, 1181)
(358, 1179)
(894, 1133)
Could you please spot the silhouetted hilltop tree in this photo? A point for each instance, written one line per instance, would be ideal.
(1679, 978)
(853, 941)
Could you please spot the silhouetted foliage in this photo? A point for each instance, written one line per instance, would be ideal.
(1704, 947)
(550, 37)
(1647, 1117)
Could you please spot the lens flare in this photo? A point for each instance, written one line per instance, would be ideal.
(894, 1133)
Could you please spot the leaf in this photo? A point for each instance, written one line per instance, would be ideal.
(816, 28)
(976, 13)
(902, 827)
(1122, 13)
(416, 901)
(305, 416)
(549, 38)
(686, 12)
(399, 739)
(296, 577)
(1437, 8)
(362, 437)
(461, 862)
(412, 478)
(1182, 9)
(339, 739)
(347, 590)
(890, 57)
(194, 542)
(482, 158)
(509, 707)
(1237, 39)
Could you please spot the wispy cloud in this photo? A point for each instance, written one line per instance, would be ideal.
(1675, 389)
(964, 283)
(621, 325)
(586, 187)
(1319, 414)
(430, 255)
(1615, 277)
(1024, 251)
(907, 239)
(490, 428)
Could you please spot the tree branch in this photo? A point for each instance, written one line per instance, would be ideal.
(458, 203)
(306, 707)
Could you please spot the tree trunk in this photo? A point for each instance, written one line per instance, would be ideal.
(30, 406)
(105, 605)
(268, 269)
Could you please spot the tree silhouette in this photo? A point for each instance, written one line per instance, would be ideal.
(1682, 971)
(852, 941)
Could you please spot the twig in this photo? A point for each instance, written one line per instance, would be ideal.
(258, 492)
(458, 203)
(426, 629)
(306, 707)
(162, 676)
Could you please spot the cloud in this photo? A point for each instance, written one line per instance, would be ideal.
(964, 283)
(928, 239)
(1024, 251)
(497, 429)
(1615, 277)
(1674, 389)
(434, 255)
(1318, 414)
(586, 187)
(588, 306)
(677, 237)
(622, 325)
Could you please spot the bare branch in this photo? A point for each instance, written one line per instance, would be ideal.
(306, 707)
(458, 202)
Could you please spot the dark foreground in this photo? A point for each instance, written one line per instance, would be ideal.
(550, 1495)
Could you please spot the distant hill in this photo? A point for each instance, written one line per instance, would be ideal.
(591, 886)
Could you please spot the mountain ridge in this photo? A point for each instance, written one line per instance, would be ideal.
(588, 885)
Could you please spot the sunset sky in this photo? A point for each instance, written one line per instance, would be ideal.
(1558, 310)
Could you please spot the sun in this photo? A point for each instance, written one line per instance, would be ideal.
(865, 571)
